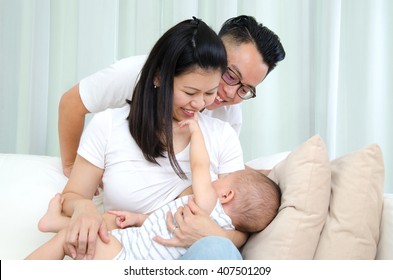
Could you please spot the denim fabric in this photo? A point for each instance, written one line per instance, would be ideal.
(212, 248)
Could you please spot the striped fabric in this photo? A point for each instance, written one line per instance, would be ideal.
(138, 244)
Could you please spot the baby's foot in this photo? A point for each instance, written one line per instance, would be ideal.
(50, 221)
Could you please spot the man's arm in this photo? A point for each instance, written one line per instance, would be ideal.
(71, 122)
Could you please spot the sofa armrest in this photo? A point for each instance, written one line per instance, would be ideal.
(27, 183)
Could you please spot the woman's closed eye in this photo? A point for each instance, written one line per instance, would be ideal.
(207, 93)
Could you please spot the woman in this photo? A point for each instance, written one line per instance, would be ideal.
(139, 151)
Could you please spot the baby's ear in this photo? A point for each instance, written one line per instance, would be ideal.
(227, 196)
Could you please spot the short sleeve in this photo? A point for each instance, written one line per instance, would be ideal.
(219, 217)
(94, 140)
(112, 86)
(231, 153)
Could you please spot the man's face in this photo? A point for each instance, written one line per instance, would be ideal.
(246, 62)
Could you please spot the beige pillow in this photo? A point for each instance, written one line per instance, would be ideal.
(352, 226)
(304, 179)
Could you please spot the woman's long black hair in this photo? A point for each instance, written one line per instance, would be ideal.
(189, 44)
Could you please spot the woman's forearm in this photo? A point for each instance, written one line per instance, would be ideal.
(74, 202)
(80, 187)
(237, 237)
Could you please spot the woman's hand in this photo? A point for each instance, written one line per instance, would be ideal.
(192, 224)
(85, 225)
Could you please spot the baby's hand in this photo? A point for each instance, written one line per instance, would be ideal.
(191, 123)
(125, 218)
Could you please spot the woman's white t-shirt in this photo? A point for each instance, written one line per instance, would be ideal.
(110, 87)
(134, 184)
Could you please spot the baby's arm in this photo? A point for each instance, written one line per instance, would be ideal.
(205, 195)
(128, 219)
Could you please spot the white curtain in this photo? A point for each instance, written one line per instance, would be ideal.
(335, 80)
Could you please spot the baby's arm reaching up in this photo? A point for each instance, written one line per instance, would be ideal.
(205, 195)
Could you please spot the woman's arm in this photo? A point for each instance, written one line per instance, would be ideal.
(86, 223)
(71, 122)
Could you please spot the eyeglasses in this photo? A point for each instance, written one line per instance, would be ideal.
(232, 79)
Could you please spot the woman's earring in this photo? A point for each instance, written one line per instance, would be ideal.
(155, 86)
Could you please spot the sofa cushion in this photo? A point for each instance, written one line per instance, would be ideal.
(352, 226)
(304, 179)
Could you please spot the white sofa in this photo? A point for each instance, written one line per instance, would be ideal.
(27, 182)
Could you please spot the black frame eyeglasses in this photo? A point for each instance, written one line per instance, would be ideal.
(232, 79)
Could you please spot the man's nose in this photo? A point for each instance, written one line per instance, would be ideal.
(230, 91)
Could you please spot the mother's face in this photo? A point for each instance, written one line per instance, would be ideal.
(193, 91)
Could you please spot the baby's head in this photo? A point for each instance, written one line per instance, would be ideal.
(250, 198)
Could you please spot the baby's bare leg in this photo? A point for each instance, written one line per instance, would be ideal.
(51, 250)
(55, 249)
(53, 220)
(107, 251)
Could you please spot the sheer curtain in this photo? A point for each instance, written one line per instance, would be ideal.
(335, 80)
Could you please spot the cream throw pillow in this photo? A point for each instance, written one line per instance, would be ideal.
(304, 179)
(352, 226)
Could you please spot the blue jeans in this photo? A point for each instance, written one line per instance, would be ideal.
(212, 248)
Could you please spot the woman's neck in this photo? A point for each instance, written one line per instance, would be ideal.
(181, 137)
